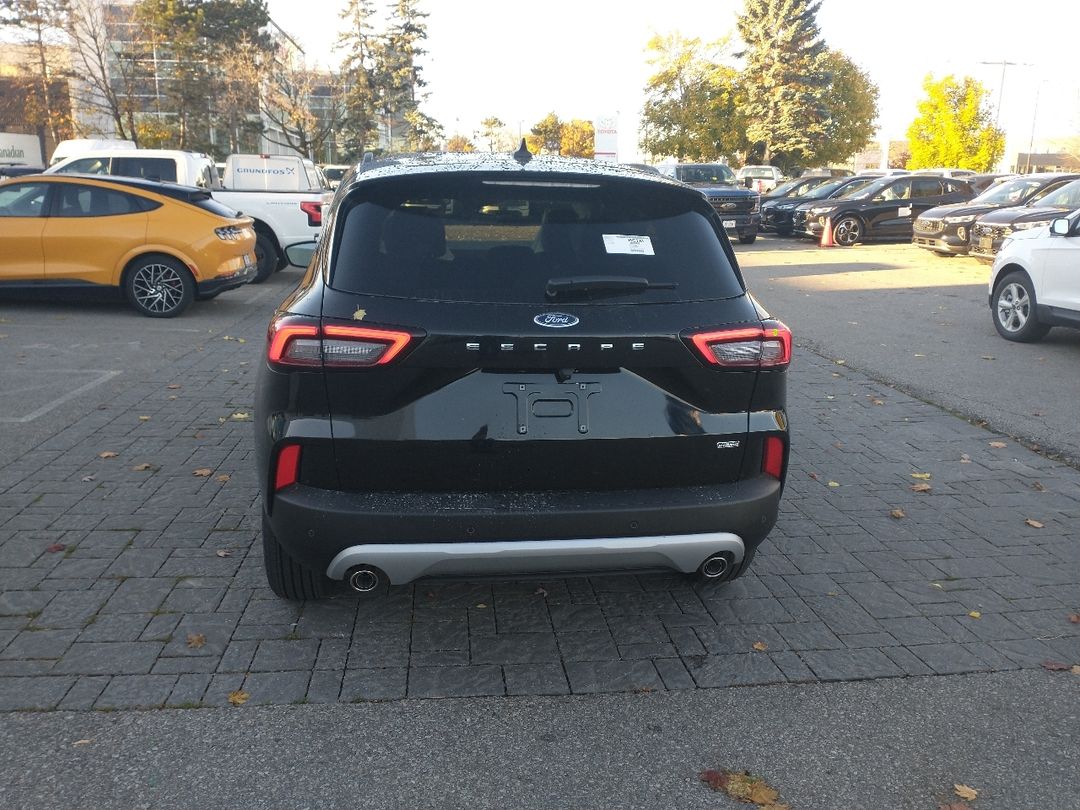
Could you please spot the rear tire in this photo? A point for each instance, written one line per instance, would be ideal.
(288, 578)
(159, 287)
(1014, 309)
(748, 239)
(266, 258)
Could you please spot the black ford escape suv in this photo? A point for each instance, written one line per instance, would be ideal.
(505, 365)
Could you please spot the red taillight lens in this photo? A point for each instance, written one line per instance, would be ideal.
(360, 346)
(313, 211)
(293, 341)
(768, 346)
(288, 466)
(772, 459)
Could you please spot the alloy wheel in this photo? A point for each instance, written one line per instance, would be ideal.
(158, 288)
(1013, 307)
(847, 232)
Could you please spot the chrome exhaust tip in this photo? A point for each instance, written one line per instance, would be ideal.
(715, 566)
(364, 580)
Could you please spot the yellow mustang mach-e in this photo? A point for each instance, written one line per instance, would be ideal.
(162, 245)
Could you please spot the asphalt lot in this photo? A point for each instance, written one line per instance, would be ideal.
(868, 615)
(922, 322)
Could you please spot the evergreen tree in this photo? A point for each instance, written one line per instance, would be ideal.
(358, 41)
(954, 127)
(492, 126)
(397, 76)
(785, 78)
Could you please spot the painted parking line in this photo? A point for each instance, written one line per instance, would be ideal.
(101, 376)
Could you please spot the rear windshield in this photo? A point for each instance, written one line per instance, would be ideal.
(757, 172)
(499, 239)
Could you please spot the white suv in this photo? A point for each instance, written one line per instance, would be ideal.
(1035, 283)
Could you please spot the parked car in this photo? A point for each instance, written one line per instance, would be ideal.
(827, 172)
(161, 245)
(844, 187)
(777, 215)
(81, 146)
(1034, 284)
(283, 195)
(947, 229)
(760, 178)
(884, 209)
(739, 208)
(449, 392)
(642, 167)
(946, 172)
(990, 230)
(796, 187)
(334, 173)
(981, 182)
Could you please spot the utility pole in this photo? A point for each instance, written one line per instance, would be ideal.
(1005, 64)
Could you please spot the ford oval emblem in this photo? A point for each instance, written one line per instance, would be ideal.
(555, 320)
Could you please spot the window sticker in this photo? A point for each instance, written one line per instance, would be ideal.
(625, 243)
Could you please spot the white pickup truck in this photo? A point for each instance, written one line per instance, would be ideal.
(283, 194)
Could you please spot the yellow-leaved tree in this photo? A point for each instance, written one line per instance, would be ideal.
(954, 127)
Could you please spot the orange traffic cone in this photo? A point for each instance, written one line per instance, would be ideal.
(826, 235)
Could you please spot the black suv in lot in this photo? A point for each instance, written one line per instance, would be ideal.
(501, 365)
(885, 209)
(779, 215)
(947, 229)
(739, 208)
(992, 229)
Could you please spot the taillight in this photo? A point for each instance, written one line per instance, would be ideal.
(313, 211)
(767, 346)
(772, 458)
(293, 341)
(288, 466)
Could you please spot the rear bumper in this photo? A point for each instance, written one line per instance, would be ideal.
(403, 562)
(229, 281)
(524, 531)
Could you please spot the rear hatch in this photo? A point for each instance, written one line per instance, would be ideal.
(506, 333)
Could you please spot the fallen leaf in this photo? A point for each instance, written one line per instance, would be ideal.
(921, 487)
(241, 340)
(920, 355)
(975, 614)
(829, 396)
(359, 315)
(238, 698)
(955, 806)
(833, 484)
(481, 605)
(836, 374)
(743, 786)
(107, 454)
(760, 646)
(1034, 524)
(937, 585)
(965, 792)
(998, 445)
(965, 458)
(841, 362)
(223, 478)
(1074, 618)
(226, 337)
(1054, 666)
(87, 479)
(240, 416)
(144, 418)
(1075, 669)
(1038, 486)
(717, 780)
(81, 742)
(173, 387)
(55, 547)
(202, 472)
(988, 357)
(143, 467)
(196, 641)
(878, 401)
(897, 513)
(223, 552)
(540, 592)
(921, 476)
(815, 476)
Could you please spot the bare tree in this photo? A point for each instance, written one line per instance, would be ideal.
(305, 107)
(104, 77)
(236, 100)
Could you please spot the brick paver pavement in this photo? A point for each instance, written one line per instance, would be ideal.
(133, 581)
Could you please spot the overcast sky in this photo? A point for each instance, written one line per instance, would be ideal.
(586, 58)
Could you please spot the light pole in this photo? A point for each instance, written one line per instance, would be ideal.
(1001, 88)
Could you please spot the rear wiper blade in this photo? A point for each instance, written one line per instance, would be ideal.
(585, 285)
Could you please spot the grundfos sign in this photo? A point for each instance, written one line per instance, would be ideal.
(17, 148)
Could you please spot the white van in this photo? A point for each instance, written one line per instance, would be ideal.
(82, 146)
(164, 165)
(17, 149)
(272, 173)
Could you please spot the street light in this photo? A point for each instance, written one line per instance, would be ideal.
(1001, 88)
